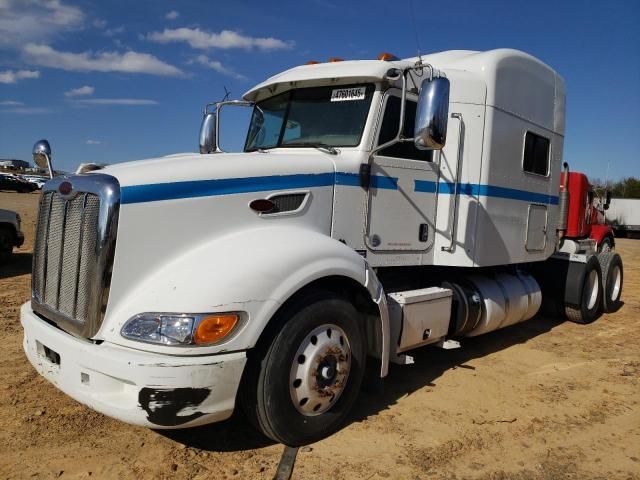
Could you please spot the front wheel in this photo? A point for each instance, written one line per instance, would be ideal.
(302, 387)
(606, 245)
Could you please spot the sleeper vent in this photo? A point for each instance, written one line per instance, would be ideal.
(287, 203)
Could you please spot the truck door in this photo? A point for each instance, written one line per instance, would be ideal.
(403, 186)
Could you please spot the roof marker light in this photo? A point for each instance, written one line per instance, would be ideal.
(388, 57)
(336, 59)
(311, 62)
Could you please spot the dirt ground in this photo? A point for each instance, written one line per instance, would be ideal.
(540, 400)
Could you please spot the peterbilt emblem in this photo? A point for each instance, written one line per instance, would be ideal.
(65, 188)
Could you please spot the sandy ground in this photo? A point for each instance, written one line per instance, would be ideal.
(541, 400)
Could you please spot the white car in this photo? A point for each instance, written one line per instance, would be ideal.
(39, 181)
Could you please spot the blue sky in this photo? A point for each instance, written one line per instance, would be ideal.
(111, 81)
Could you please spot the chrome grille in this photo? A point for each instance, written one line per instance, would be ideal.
(73, 252)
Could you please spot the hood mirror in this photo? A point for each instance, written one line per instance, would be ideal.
(42, 155)
(432, 114)
(209, 133)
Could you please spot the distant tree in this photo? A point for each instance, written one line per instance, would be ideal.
(626, 188)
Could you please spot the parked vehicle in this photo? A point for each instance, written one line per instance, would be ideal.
(624, 215)
(36, 180)
(378, 206)
(14, 183)
(586, 219)
(10, 234)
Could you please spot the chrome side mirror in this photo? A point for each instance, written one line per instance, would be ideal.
(432, 115)
(42, 155)
(209, 133)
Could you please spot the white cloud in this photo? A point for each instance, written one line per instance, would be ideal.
(23, 21)
(115, 101)
(216, 66)
(226, 39)
(10, 103)
(27, 110)
(129, 62)
(99, 23)
(172, 15)
(112, 32)
(12, 76)
(93, 142)
(78, 92)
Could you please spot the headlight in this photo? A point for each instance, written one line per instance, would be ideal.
(180, 329)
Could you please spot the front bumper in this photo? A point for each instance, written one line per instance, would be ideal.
(141, 388)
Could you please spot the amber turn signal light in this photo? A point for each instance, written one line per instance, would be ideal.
(214, 328)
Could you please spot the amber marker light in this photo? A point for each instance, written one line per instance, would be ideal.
(214, 328)
(387, 57)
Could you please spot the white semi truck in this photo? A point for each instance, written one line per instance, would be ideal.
(378, 206)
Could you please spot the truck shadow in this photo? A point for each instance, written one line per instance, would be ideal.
(236, 434)
(19, 264)
(430, 363)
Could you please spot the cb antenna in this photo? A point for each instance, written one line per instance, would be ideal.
(415, 30)
(227, 93)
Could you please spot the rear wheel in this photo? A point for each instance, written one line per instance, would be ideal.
(591, 294)
(612, 277)
(302, 387)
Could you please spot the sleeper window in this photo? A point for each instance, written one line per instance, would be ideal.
(536, 154)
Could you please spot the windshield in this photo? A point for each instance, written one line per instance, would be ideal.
(319, 116)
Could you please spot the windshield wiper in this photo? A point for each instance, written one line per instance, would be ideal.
(320, 146)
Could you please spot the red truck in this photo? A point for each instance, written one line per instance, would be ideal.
(585, 219)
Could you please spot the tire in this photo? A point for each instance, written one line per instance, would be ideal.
(612, 279)
(590, 296)
(302, 386)
(6, 245)
(606, 245)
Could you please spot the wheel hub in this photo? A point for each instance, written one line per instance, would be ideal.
(319, 370)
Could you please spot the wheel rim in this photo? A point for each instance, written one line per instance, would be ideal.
(592, 289)
(616, 277)
(319, 370)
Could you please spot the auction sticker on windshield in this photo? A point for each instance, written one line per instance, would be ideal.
(348, 94)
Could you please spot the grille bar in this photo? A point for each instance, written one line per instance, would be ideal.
(78, 263)
(75, 240)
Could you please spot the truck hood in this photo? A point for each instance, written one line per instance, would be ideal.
(183, 217)
(190, 167)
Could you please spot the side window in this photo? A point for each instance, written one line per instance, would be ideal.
(389, 128)
(536, 154)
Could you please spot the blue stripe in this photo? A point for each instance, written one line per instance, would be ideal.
(475, 190)
(377, 181)
(227, 186)
(223, 186)
(425, 186)
(348, 179)
(382, 182)
(514, 194)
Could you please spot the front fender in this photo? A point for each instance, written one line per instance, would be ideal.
(599, 232)
(253, 271)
